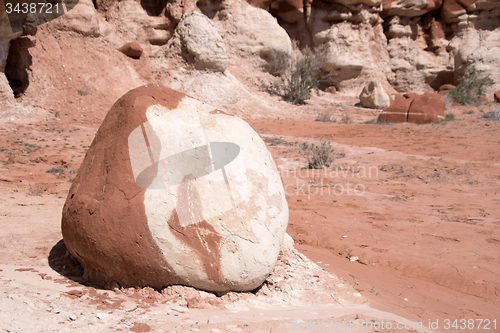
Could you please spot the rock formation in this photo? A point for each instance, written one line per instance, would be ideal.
(420, 109)
(426, 108)
(397, 112)
(172, 191)
(200, 42)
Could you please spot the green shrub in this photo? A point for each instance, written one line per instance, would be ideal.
(297, 79)
(449, 116)
(470, 87)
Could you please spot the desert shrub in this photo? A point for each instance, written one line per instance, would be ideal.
(297, 78)
(346, 119)
(318, 156)
(326, 118)
(449, 116)
(36, 189)
(470, 87)
(493, 115)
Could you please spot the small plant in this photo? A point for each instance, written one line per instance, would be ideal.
(318, 156)
(493, 115)
(470, 87)
(56, 170)
(277, 141)
(449, 116)
(346, 119)
(326, 118)
(36, 189)
(297, 79)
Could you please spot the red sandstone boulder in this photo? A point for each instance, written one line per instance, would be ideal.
(331, 90)
(172, 191)
(426, 108)
(446, 87)
(411, 95)
(132, 50)
(397, 112)
(496, 96)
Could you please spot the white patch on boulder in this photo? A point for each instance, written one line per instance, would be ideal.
(216, 180)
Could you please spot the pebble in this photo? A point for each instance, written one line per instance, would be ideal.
(102, 316)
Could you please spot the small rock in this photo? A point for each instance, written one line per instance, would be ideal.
(497, 96)
(331, 90)
(132, 50)
(72, 317)
(353, 258)
(102, 316)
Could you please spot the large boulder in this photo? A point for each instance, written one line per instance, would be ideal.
(426, 108)
(172, 191)
(397, 112)
(374, 96)
(201, 42)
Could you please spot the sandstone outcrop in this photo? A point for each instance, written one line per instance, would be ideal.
(200, 42)
(172, 191)
(250, 31)
(397, 112)
(82, 19)
(426, 108)
(290, 11)
(374, 96)
(420, 109)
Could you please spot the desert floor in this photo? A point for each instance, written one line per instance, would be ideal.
(407, 215)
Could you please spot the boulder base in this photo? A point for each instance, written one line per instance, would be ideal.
(172, 191)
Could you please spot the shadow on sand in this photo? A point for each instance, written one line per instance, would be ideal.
(61, 261)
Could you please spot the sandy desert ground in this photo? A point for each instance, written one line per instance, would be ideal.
(405, 224)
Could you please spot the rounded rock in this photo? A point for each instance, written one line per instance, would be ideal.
(172, 191)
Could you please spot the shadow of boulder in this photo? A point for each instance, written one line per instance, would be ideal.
(61, 261)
